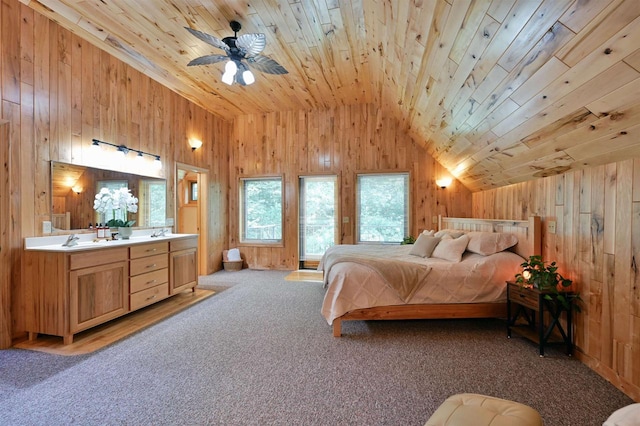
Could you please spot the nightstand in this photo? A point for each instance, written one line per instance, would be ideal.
(526, 311)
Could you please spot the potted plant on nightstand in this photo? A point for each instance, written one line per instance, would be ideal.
(536, 273)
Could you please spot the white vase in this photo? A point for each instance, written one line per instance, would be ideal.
(125, 232)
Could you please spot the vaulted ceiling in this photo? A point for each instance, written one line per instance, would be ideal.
(497, 91)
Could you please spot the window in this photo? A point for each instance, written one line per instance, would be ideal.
(193, 192)
(152, 207)
(382, 205)
(261, 210)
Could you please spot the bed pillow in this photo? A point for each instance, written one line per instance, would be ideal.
(454, 233)
(424, 245)
(451, 248)
(488, 243)
(428, 233)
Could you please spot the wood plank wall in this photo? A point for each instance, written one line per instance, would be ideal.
(341, 141)
(58, 92)
(5, 238)
(597, 245)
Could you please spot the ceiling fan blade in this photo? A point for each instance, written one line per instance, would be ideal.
(266, 65)
(251, 44)
(209, 39)
(207, 59)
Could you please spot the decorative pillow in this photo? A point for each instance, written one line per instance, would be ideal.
(424, 245)
(428, 233)
(487, 243)
(451, 249)
(455, 233)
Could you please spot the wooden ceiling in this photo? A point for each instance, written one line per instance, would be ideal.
(497, 91)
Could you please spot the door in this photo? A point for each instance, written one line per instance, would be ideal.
(318, 218)
(191, 208)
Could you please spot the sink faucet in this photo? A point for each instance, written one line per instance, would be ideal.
(158, 233)
(71, 241)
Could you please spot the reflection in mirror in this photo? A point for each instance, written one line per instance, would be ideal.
(74, 187)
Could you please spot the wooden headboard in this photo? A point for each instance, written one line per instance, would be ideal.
(529, 232)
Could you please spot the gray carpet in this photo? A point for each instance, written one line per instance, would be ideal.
(259, 352)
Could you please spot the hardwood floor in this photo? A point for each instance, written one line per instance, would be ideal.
(101, 336)
(305, 275)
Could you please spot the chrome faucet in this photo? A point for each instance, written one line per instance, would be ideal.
(71, 241)
(158, 233)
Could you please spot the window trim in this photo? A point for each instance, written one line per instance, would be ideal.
(408, 193)
(241, 212)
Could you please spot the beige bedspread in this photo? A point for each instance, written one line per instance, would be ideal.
(355, 285)
(403, 277)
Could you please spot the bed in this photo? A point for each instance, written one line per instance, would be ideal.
(386, 282)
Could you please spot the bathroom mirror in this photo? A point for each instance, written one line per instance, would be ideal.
(74, 187)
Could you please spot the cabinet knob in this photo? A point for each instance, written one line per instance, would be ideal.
(151, 249)
(151, 282)
(151, 266)
(151, 297)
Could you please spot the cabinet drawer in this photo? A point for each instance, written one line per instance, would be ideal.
(97, 257)
(150, 249)
(183, 244)
(150, 279)
(148, 264)
(149, 296)
(523, 296)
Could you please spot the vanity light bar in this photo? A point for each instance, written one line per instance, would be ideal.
(124, 149)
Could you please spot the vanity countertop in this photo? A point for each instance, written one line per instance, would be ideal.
(89, 241)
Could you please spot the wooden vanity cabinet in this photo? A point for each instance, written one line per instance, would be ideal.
(68, 292)
(97, 293)
(149, 271)
(184, 265)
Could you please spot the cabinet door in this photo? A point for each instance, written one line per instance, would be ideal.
(184, 272)
(98, 294)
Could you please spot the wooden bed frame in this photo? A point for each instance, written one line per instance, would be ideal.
(529, 243)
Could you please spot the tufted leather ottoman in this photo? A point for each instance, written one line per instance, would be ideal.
(480, 410)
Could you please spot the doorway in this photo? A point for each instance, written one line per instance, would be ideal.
(318, 218)
(191, 208)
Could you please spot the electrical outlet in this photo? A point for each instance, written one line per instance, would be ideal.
(551, 226)
(46, 227)
(434, 219)
(345, 219)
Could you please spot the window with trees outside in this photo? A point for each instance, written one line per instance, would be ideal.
(382, 205)
(261, 210)
(153, 202)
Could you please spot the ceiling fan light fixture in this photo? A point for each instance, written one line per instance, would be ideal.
(248, 77)
(241, 51)
(230, 70)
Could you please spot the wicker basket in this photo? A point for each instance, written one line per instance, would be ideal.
(234, 265)
(231, 265)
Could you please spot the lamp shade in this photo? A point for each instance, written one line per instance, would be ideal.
(195, 144)
(248, 77)
(230, 70)
(444, 182)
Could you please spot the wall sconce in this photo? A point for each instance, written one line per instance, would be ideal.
(195, 144)
(122, 149)
(77, 189)
(444, 182)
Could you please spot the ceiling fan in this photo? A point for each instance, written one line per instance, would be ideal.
(242, 52)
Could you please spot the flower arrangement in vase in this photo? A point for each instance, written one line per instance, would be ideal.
(118, 202)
